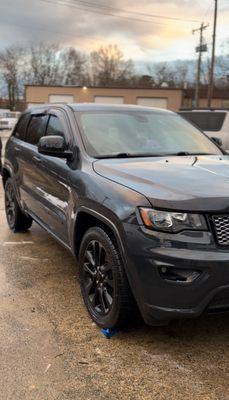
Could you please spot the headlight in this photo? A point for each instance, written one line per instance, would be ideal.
(172, 221)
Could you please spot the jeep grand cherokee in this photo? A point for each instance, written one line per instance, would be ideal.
(138, 195)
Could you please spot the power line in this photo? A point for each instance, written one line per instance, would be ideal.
(100, 11)
(44, 28)
(103, 6)
(64, 3)
(59, 33)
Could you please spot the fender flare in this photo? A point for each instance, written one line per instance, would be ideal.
(8, 170)
(107, 222)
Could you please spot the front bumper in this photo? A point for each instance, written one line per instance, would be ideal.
(161, 299)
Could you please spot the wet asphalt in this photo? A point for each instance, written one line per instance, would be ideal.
(50, 349)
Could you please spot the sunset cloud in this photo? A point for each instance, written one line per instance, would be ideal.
(151, 38)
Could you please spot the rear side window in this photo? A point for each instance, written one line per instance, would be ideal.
(36, 128)
(207, 121)
(21, 127)
(55, 127)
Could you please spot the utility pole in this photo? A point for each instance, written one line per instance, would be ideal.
(199, 49)
(211, 77)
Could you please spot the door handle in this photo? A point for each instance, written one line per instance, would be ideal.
(36, 159)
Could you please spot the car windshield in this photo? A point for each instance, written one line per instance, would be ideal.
(141, 133)
(207, 121)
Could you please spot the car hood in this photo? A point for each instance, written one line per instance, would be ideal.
(185, 182)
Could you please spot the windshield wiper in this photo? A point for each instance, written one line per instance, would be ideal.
(186, 153)
(130, 155)
(118, 155)
(125, 155)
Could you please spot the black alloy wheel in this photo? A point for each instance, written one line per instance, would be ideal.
(16, 218)
(98, 278)
(104, 285)
(10, 206)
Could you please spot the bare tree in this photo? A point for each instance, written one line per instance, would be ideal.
(10, 65)
(73, 66)
(180, 72)
(222, 66)
(44, 63)
(108, 66)
(48, 64)
(205, 71)
(142, 81)
(161, 73)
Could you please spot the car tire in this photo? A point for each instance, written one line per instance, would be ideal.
(16, 219)
(104, 285)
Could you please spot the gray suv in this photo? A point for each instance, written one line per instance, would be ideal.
(138, 195)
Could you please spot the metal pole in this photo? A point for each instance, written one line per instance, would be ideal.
(198, 68)
(199, 49)
(211, 77)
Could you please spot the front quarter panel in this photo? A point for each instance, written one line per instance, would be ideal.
(113, 201)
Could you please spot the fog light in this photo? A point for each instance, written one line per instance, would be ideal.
(179, 275)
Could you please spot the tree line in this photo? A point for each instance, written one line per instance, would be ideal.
(49, 64)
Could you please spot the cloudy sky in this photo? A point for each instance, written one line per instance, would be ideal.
(87, 24)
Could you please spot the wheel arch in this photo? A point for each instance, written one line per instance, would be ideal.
(87, 218)
(5, 175)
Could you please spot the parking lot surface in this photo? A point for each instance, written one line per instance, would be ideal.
(50, 349)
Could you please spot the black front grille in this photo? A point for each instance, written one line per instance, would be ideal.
(221, 225)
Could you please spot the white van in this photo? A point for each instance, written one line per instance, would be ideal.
(214, 122)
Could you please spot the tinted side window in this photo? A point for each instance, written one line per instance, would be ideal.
(36, 128)
(21, 127)
(55, 127)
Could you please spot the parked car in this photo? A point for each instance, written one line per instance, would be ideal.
(140, 197)
(214, 122)
(3, 111)
(8, 120)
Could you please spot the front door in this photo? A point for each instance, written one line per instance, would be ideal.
(51, 181)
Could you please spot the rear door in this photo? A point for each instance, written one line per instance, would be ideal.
(16, 153)
(28, 162)
(50, 184)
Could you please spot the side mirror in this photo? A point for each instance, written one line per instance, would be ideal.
(217, 141)
(54, 146)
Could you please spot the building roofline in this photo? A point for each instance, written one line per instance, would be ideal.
(103, 87)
